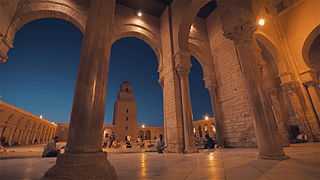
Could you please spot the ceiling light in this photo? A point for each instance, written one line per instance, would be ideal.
(261, 22)
(139, 13)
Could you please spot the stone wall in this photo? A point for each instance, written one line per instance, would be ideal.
(233, 95)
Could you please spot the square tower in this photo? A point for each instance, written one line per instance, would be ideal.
(125, 113)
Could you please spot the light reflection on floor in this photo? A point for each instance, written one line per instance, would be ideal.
(227, 164)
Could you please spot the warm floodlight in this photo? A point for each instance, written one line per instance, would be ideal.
(41, 116)
(261, 22)
(143, 126)
(206, 117)
(139, 13)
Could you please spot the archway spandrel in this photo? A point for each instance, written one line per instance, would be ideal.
(35, 10)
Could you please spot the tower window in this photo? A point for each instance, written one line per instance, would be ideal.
(127, 110)
(127, 118)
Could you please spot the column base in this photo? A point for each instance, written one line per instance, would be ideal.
(273, 157)
(93, 166)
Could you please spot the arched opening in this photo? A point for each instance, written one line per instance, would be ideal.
(311, 49)
(200, 100)
(134, 68)
(311, 55)
(40, 77)
(272, 87)
(314, 55)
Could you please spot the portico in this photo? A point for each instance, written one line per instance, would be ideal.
(223, 38)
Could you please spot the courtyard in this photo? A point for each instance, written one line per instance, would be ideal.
(226, 164)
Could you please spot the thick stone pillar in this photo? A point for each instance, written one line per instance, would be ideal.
(84, 158)
(171, 91)
(216, 108)
(183, 66)
(239, 26)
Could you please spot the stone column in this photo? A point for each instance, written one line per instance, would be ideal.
(40, 133)
(11, 134)
(27, 134)
(183, 66)
(84, 158)
(239, 25)
(48, 134)
(314, 94)
(34, 132)
(51, 134)
(216, 108)
(280, 114)
(44, 134)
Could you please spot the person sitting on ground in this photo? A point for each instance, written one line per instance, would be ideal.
(160, 145)
(106, 141)
(112, 139)
(302, 138)
(128, 142)
(209, 144)
(51, 150)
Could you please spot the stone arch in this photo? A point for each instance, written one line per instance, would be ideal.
(204, 60)
(307, 49)
(272, 85)
(34, 10)
(131, 30)
(269, 46)
(187, 19)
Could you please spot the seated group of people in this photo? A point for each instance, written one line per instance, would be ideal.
(205, 142)
(51, 149)
(112, 142)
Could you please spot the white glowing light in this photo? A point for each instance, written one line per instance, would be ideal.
(139, 13)
(41, 116)
(143, 126)
(206, 117)
(261, 22)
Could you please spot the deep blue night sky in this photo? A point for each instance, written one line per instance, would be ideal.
(41, 73)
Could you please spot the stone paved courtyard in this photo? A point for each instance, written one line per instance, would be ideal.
(228, 164)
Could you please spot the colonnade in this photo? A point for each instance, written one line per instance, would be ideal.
(21, 128)
(84, 158)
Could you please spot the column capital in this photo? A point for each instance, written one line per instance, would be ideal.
(308, 75)
(238, 20)
(182, 63)
(290, 87)
(311, 83)
(211, 85)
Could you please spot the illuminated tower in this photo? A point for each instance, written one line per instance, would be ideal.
(125, 113)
